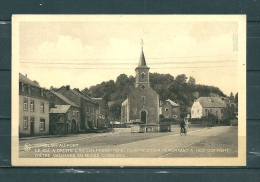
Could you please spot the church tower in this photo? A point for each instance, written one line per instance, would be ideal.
(142, 73)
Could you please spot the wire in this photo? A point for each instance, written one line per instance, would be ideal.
(127, 68)
(193, 62)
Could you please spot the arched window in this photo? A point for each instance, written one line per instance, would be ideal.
(142, 76)
(143, 99)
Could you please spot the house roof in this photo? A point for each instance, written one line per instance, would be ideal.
(83, 96)
(60, 109)
(211, 102)
(98, 100)
(26, 80)
(172, 103)
(64, 99)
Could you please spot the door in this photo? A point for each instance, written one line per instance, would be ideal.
(143, 116)
(67, 128)
(32, 126)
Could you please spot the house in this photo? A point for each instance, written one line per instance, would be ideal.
(170, 109)
(64, 114)
(88, 107)
(33, 108)
(204, 105)
(102, 113)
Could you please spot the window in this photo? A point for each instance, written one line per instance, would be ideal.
(88, 108)
(93, 110)
(25, 105)
(25, 122)
(42, 124)
(134, 111)
(166, 109)
(152, 110)
(221, 111)
(143, 99)
(143, 87)
(60, 118)
(42, 107)
(198, 111)
(192, 112)
(32, 106)
(77, 114)
(206, 111)
(210, 110)
(142, 75)
(23, 87)
(74, 113)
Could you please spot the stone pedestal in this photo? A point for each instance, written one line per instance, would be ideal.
(142, 128)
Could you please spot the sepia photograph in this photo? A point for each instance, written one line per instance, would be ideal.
(129, 90)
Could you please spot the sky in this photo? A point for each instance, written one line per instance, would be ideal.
(86, 52)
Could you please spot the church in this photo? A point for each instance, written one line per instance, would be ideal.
(141, 107)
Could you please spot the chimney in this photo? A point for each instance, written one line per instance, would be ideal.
(67, 87)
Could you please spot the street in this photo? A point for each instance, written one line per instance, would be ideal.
(219, 141)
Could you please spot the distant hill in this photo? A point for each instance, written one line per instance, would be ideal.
(180, 89)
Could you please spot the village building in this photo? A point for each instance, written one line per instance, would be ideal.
(102, 113)
(88, 107)
(205, 105)
(170, 109)
(33, 108)
(64, 114)
(142, 104)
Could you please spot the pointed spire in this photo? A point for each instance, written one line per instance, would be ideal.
(142, 61)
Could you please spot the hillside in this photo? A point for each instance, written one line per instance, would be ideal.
(181, 89)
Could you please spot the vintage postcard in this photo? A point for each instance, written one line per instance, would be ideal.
(129, 90)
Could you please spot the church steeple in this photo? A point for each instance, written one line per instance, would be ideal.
(142, 71)
(142, 61)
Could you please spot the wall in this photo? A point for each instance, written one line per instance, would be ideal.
(173, 111)
(194, 110)
(36, 114)
(151, 104)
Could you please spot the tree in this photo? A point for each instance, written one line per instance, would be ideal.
(114, 111)
(236, 98)
(231, 97)
(229, 113)
(181, 79)
(191, 81)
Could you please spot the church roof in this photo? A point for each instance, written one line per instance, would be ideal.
(142, 62)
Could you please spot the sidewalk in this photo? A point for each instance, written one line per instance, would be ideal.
(116, 131)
